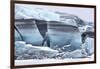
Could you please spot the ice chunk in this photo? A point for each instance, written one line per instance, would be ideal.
(27, 51)
(74, 54)
(77, 54)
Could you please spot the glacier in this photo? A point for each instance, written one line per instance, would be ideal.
(64, 31)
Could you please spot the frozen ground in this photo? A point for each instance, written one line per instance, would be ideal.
(51, 61)
(28, 54)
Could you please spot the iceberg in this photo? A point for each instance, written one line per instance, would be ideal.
(63, 29)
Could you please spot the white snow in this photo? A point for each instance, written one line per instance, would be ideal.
(74, 54)
(51, 61)
(41, 48)
(27, 51)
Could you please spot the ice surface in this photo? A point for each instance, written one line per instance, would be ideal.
(25, 51)
(32, 55)
(51, 61)
(41, 48)
(26, 12)
(65, 44)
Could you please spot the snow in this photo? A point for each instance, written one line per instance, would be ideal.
(42, 48)
(51, 61)
(25, 51)
(22, 43)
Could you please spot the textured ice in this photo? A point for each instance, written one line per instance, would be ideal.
(41, 48)
(23, 12)
(65, 43)
(25, 51)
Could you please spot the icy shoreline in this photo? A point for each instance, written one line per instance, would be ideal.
(25, 51)
(51, 61)
(34, 55)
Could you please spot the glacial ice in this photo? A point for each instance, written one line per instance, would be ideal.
(23, 12)
(63, 44)
(24, 51)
